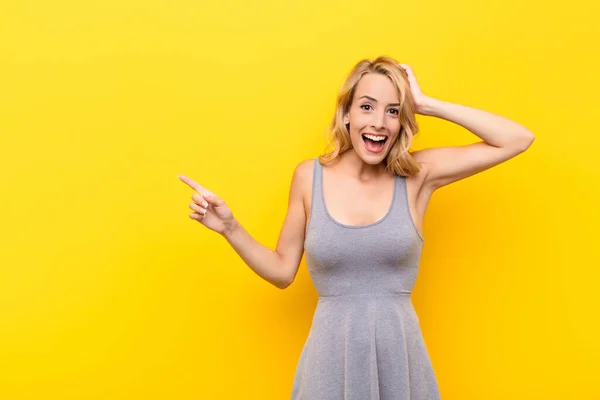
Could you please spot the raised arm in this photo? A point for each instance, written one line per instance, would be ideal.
(502, 139)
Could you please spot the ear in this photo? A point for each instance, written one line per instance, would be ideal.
(346, 118)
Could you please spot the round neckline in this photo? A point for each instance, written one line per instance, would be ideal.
(389, 211)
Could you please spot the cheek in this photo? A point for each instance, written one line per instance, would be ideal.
(394, 125)
(358, 122)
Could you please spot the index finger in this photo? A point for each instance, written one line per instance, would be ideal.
(193, 184)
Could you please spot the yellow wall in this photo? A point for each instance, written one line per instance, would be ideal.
(109, 291)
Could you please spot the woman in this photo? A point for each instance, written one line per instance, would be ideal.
(358, 212)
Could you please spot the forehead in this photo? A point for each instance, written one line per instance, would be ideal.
(378, 86)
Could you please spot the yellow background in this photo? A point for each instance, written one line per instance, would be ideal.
(109, 291)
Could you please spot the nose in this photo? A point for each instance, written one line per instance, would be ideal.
(377, 120)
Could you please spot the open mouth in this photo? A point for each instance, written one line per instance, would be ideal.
(374, 143)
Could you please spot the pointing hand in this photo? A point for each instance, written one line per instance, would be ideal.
(209, 209)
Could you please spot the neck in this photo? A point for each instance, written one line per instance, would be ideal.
(355, 166)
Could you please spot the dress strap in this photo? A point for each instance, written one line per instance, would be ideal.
(317, 186)
(316, 202)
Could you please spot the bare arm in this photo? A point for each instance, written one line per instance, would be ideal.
(277, 266)
(503, 139)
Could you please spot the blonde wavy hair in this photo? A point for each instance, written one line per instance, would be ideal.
(399, 160)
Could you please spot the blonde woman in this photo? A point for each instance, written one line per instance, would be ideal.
(357, 211)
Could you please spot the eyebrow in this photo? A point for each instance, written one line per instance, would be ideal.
(375, 100)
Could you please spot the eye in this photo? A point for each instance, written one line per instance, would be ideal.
(365, 105)
(395, 111)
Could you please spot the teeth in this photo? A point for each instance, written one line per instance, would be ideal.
(376, 138)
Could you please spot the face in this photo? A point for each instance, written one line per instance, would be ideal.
(374, 117)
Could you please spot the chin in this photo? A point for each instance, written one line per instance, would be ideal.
(374, 159)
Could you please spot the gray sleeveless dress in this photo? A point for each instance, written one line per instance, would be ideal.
(365, 341)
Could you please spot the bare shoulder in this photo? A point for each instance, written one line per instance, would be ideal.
(302, 177)
(304, 169)
(303, 173)
(422, 157)
(302, 183)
